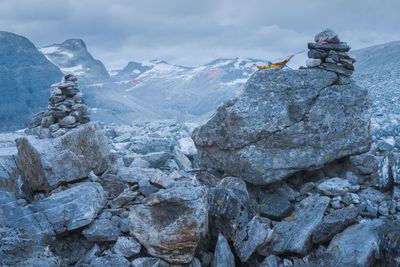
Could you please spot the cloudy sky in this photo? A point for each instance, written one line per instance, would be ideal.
(188, 32)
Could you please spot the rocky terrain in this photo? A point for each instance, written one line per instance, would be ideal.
(290, 172)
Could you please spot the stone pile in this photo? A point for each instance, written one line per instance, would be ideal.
(329, 53)
(66, 110)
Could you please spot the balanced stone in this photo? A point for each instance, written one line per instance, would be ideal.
(327, 35)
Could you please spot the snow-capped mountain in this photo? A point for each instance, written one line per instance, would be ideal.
(25, 79)
(73, 57)
(171, 91)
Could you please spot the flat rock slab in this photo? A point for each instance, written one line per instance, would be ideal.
(293, 235)
(101, 230)
(336, 186)
(333, 223)
(46, 163)
(73, 208)
(284, 122)
(171, 222)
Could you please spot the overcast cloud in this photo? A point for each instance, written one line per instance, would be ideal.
(191, 33)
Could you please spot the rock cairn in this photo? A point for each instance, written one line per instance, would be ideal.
(66, 110)
(329, 53)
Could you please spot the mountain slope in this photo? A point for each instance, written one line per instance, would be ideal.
(378, 69)
(25, 79)
(73, 57)
(183, 92)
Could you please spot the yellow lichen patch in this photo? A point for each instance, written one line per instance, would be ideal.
(335, 249)
(327, 157)
(289, 219)
(313, 116)
(391, 237)
(266, 126)
(219, 202)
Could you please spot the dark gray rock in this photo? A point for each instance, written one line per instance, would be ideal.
(170, 222)
(110, 260)
(71, 209)
(229, 210)
(368, 209)
(101, 230)
(276, 118)
(223, 256)
(270, 261)
(67, 122)
(333, 223)
(372, 195)
(275, 206)
(149, 262)
(335, 68)
(327, 35)
(255, 234)
(293, 235)
(317, 53)
(45, 163)
(127, 246)
(340, 47)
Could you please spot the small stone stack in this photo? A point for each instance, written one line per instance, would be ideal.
(66, 110)
(329, 53)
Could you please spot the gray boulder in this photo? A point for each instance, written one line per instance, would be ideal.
(46, 163)
(284, 122)
(171, 222)
(327, 35)
(149, 262)
(223, 256)
(335, 222)
(336, 186)
(71, 209)
(255, 234)
(101, 230)
(293, 235)
(127, 246)
(358, 245)
(110, 260)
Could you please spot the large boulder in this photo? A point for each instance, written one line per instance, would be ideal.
(284, 122)
(46, 163)
(71, 209)
(171, 222)
(294, 233)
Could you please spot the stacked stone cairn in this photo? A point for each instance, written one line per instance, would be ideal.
(329, 53)
(66, 110)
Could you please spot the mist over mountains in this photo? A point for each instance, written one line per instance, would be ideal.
(154, 89)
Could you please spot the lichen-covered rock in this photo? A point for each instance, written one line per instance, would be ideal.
(46, 163)
(229, 207)
(171, 222)
(336, 186)
(285, 122)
